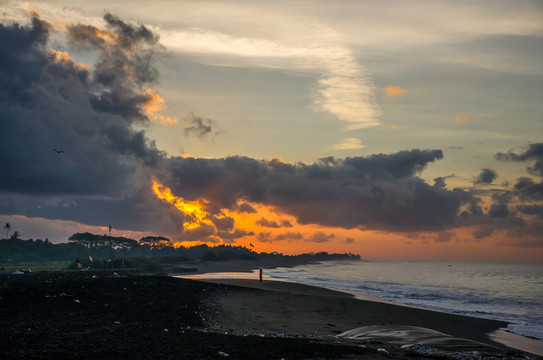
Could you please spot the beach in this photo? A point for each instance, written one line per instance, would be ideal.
(108, 315)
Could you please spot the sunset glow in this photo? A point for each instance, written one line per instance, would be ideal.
(393, 132)
(194, 210)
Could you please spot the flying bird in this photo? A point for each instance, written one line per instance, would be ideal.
(58, 151)
(251, 245)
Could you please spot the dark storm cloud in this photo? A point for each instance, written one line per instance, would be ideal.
(230, 236)
(375, 192)
(223, 223)
(289, 235)
(440, 181)
(273, 224)
(534, 152)
(125, 65)
(526, 187)
(264, 237)
(487, 176)
(47, 101)
(498, 211)
(129, 35)
(246, 208)
(444, 236)
(536, 210)
(138, 211)
(198, 126)
(483, 232)
(516, 211)
(320, 237)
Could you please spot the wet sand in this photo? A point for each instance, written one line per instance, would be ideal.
(295, 309)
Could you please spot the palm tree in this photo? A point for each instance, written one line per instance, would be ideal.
(7, 227)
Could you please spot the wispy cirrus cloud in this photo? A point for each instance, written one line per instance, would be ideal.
(345, 90)
(348, 144)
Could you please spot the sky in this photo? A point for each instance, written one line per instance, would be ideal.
(396, 130)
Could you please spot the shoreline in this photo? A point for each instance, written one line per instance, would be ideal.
(334, 312)
(108, 315)
(231, 266)
(244, 273)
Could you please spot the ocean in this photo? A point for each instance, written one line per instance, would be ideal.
(511, 292)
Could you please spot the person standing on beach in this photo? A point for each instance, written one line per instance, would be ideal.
(260, 272)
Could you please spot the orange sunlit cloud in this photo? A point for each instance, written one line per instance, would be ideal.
(92, 32)
(292, 238)
(64, 57)
(60, 56)
(155, 104)
(462, 117)
(32, 12)
(193, 209)
(282, 233)
(277, 227)
(394, 91)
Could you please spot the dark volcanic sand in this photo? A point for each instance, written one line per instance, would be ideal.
(84, 315)
(81, 315)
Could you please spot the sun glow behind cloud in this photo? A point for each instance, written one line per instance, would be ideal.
(266, 227)
(339, 63)
(194, 210)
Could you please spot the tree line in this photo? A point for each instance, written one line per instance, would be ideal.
(14, 249)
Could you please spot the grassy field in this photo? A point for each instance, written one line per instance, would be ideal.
(34, 266)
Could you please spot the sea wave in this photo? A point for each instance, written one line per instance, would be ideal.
(520, 306)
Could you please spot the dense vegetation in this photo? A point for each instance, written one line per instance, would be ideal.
(112, 248)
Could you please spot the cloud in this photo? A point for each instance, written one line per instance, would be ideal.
(393, 91)
(264, 236)
(198, 126)
(289, 235)
(534, 152)
(273, 224)
(348, 144)
(487, 176)
(498, 211)
(528, 189)
(234, 234)
(96, 114)
(50, 102)
(224, 223)
(461, 118)
(321, 237)
(375, 192)
(155, 104)
(345, 90)
(536, 210)
(246, 208)
(444, 236)
(483, 232)
(440, 180)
